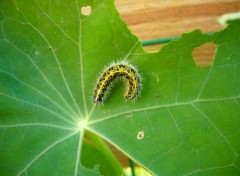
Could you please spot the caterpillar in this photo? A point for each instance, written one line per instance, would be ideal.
(115, 71)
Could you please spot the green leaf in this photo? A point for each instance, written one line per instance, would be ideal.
(50, 58)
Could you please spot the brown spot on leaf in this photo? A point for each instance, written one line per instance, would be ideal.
(140, 135)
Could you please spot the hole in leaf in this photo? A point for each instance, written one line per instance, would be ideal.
(204, 54)
(86, 10)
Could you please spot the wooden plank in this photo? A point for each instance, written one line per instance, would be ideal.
(152, 19)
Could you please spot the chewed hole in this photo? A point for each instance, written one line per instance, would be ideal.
(204, 54)
(86, 10)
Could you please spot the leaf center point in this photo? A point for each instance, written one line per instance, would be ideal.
(82, 124)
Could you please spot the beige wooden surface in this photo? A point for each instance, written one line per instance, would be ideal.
(154, 19)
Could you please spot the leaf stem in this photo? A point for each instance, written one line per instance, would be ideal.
(106, 151)
(163, 40)
(131, 163)
(159, 41)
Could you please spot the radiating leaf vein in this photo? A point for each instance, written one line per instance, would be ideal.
(45, 151)
(38, 106)
(159, 107)
(44, 76)
(19, 125)
(57, 61)
(55, 24)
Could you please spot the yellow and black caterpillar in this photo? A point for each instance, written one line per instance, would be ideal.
(118, 70)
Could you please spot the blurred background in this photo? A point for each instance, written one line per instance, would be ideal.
(154, 19)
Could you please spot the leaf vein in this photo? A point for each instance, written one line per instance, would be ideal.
(159, 107)
(57, 61)
(216, 128)
(37, 124)
(37, 106)
(55, 24)
(44, 76)
(45, 151)
(38, 91)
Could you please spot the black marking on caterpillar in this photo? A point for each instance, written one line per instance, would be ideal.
(115, 71)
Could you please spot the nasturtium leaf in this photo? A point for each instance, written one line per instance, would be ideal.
(186, 121)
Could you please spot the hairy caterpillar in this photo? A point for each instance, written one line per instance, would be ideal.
(115, 71)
